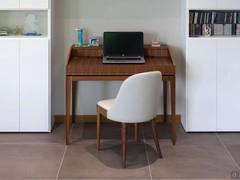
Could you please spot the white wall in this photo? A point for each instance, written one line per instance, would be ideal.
(157, 18)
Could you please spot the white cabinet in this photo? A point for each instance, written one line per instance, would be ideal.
(228, 4)
(212, 73)
(24, 4)
(9, 88)
(9, 4)
(201, 85)
(25, 70)
(228, 94)
(202, 4)
(34, 4)
(34, 85)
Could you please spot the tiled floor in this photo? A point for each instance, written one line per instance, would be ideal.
(45, 157)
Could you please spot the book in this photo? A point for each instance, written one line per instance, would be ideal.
(220, 18)
(218, 29)
(195, 18)
(227, 29)
(238, 18)
(238, 30)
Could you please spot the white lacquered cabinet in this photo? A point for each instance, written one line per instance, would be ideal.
(9, 88)
(34, 85)
(228, 4)
(201, 85)
(228, 82)
(25, 69)
(34, 4)
(9, 4)
(212, 73)
(202, 4)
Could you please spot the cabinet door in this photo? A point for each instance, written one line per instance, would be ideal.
(202, 4)
(228, 4)
(228, 85)
(9, 4)
(34, 85)
(201, 85)
(34, 4)
(9, 88)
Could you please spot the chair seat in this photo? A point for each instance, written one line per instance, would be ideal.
(106, 104)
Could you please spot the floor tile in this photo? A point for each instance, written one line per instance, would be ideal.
(192, 161)
(229, 138)
(30, 161)
(183, 138)
(83, 161)
(56, 136)
(235, 152)
(104, 179)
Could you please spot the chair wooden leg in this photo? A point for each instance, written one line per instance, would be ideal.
(98, 130)
(155, 137)
(136, 132)
(124, 143)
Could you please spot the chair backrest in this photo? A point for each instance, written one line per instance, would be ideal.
(138, 99)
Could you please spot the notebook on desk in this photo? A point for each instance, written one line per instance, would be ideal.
(123, 48)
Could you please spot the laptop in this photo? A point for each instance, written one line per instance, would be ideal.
(123, 48)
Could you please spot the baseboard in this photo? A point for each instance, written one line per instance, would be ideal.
(92, 118)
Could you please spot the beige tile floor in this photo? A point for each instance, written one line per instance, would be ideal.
(43, 156)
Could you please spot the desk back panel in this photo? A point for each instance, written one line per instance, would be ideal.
(88, 61)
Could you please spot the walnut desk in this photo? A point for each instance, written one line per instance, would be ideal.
(85, 64)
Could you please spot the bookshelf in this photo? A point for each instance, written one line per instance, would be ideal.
(25, 67)
(212, 65)
(214, 23)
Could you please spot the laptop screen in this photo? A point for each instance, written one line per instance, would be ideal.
(124, 44)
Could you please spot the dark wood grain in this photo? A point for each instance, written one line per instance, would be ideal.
(124, 143)
(155, 137)
(88, 61)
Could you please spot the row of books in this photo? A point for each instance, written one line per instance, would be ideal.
(214, 17)
(214, 30)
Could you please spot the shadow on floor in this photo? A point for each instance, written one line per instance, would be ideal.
(136, 155)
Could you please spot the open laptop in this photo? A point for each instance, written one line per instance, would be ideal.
(123, 47)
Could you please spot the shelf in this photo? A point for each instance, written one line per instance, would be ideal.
(10, 19)
(215, 37)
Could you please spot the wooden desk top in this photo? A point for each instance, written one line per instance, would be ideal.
(88, 61)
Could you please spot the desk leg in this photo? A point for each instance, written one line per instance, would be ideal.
(173, 108)
(165, 96)
(74, 100)
(68, 101)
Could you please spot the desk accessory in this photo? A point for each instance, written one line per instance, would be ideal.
(156, 43)
(31, 26)
(94, 41)
(3, 32)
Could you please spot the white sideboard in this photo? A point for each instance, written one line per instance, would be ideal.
(25, 71)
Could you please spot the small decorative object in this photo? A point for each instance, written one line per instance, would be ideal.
(31, 27)
(206, 30)
(80, 36)
(156, 43)
(3, 32)
(18, 30)
(93, 41)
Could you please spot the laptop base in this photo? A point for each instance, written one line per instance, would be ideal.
(115, 60)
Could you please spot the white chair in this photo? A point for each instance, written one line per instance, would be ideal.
(138, 101)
